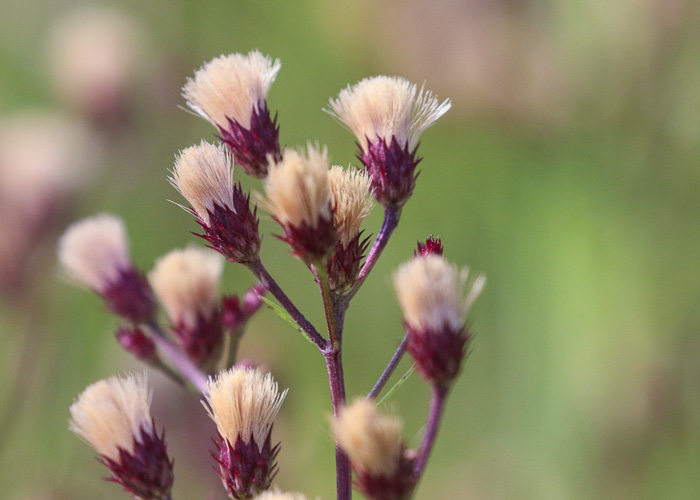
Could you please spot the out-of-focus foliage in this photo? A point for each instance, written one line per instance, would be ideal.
(567, 172)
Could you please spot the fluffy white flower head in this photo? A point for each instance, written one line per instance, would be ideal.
(187, 282)
(243, 402)
(431, 293)
(383, 107)
(111, 412)
(351, 197)
(204, 176)
(371, 440)
(230, 86)
(297, 187)
(93, 251)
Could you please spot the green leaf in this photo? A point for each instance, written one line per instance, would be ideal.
(398, 384)
(282, 313)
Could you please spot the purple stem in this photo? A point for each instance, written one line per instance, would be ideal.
(184, 365)
(261, 273)
(437, 405)
(391, 220)
(334, 365)
(389, 369)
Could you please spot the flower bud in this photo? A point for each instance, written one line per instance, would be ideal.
(376, 451)
(298, 198)
(432, 246)
(388, 115)
(204, 176)
(114, 417)
(137, 343)
(432, 295)
(243, 403)
(231, 93)
(94, 253)
(187, 282)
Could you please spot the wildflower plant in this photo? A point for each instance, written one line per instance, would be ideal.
(320, 209)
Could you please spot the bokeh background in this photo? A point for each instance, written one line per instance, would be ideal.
(566, 171)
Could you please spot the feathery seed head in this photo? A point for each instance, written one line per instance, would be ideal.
(371, 440)
(351, 199)
(204, 176)
(187, 282)
(110, 414)
(244, 402)
(383, 107)
(94, 250)
(231, 86)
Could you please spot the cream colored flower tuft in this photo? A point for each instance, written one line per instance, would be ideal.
(204, 176)
(351, 197)
(110, 413)
(431, 293)
(371, 440)
(93, 251)
(383, 107)
(230, 86)
(187, 282)
(297, 188)
(278, 495)
(244, 402)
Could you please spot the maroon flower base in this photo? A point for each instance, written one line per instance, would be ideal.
(311, 244)
(129, 296)
(392, 169)
(438, 354)
(246, 471)
(251, 147)
(203, 341)
(146, 473)
(234, 233)
(432, 246)
(396, 487)
(344, 266)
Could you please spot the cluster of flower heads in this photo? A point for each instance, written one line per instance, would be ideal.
(320, 209)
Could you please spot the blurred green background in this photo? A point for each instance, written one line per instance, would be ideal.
(566, 171)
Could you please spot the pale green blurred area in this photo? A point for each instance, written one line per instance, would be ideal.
(566, 171)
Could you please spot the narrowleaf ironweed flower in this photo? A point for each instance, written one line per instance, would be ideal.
(114, 417)
(388, 115)
(137, 343)
(94, 252)
(351, 199)
(435, 300)
(298, 198)
(187, 283)
(231, 93)
(243, 403)
(204, 176)
(377, 452)
(432, 246)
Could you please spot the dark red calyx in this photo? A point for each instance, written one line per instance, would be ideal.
(398, 486)
(344, 266)
(253, 147)
(311, 244)
(244, 469)
(129, 296)
(439, 353)
(203, 340)
(147, 472)
(432, 246)
(392, 168)
(137, 343)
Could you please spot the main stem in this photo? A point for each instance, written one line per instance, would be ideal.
(334, 365)
(437, 406)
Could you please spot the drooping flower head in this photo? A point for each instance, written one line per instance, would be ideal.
(388, 115)
(374, 445)
(435, 298)
(113, 416)
(187, 282)
(351, 199)
(230, 91)
(94, 252)
(243, 403)
(298, 197)
(203, 175)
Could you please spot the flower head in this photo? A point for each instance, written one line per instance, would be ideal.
(373, 442)
(243, 403)
(94, 252)
(298, 197)
(351, 197)
(278, 495)
(204, 176)
(231, 93)
(435, 300)
(113, 416)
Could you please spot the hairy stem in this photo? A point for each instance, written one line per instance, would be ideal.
(391, 220)
(384, 378)
(437, 406)
(268, 282)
